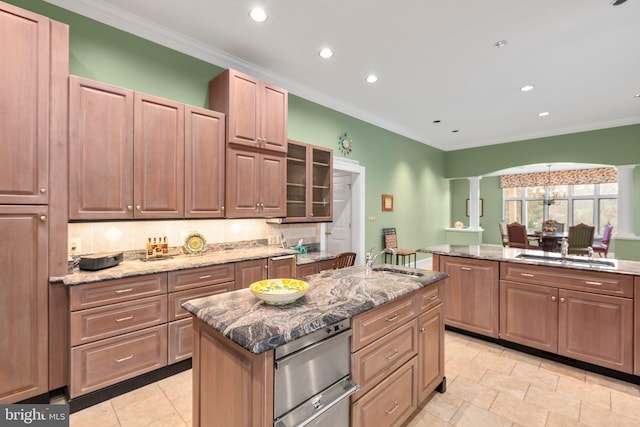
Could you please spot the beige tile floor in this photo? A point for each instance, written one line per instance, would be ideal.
(487, 385)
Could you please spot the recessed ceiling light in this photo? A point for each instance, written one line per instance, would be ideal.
(500, 43)
(637, 95)
(617, 2)
(526, 88)
(543, 114)
(455, 131)
(326, 53)
(436, 121)
(372, 78)
(258, 14)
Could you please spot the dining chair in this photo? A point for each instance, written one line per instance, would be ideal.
(580, 238)
(517, 236)
(391, 242)
(602, 247)
(344, 259)
(503, 233)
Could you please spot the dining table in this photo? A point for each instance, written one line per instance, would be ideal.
(548, 241)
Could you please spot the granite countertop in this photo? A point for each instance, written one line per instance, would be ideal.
(334, 295)
(137, 267)
(551, 259)
(311, 257)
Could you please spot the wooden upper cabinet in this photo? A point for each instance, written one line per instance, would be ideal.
(100, 150)
(158, 135)
(204, 163)
(24, 89)
(256, 111)
(272, 186)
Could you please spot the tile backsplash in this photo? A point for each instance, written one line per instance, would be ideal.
(93, 237)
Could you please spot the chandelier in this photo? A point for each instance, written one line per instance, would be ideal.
(548, 195)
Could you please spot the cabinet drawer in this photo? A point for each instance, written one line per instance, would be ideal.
(196, 277)
(371, 325)
(565, 278)
(307, 269)
(180, 338)
(376, 361)
(428, 297)
(176, 299)
(391, 401)
(119, 290)
(115, 319)
(327, 264)
(102, 363)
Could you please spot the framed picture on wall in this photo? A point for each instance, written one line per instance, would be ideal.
(480, 209)
(387, 202)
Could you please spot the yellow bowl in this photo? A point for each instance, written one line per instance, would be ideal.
(279, 291)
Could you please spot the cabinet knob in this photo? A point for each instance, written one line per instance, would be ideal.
(138, 207)
(43, 218)
(222, 208)
(561, 299)
(422, 329)
(129, 207)
(43, 191)
(311, 213)
(553, 298)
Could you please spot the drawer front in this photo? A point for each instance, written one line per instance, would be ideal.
(180, 343)
(119, 290)
(371, 325)
(326, 264)
(115, 319)
(428, 297)
(390, 402)
(307, 269)
(589, 281)
(376, 361)
(196, 277)
(103, 363)
(176, 299)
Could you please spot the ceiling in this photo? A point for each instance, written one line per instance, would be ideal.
(434, 60)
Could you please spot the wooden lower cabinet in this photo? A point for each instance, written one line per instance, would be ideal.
(282, 267)
(431, 351)
(636, 326)
(307, 269)
(180, 341)
(250, 271)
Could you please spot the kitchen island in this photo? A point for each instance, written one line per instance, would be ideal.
(574, 309)
(236, 335)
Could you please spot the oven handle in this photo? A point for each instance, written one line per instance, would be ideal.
(353, 387)
(309, 353)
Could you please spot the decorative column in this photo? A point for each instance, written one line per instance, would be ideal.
(474, 202)
(625, 202)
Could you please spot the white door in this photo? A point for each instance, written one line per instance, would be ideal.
(339, 231)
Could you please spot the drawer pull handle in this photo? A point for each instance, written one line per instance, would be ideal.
(466, 268)
(206, 276)
(392, 318)
(124, 359)
(527, 275)
(588, 282)
(433, 297)
(122, 291)
(122, 319)
(392, 355)
(391, 411)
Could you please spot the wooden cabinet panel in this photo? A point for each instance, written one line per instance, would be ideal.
(24, 283)
(376, 361)
(105, 362)
(196, 277)
(158, 189)
(24, 90)
(391, 402)
(205, 163)
(529, 315)
(282, 267)
(272, 186)
(636, 326)
(115, 319)
(250, 271)
(180, 340)
(112, 291)
(430, 351)
(176, 299)
(326, 264)
(370, 326)
(273, 122)
(100, 150)
(428, 297)
(307, 269)
(597, 329)
(471, 294)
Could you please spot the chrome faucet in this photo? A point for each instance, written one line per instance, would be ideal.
(371, 259)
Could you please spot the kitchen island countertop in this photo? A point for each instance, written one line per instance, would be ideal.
(334, 295)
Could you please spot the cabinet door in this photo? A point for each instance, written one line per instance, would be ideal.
(24, 283)
(250, 271)
(529, 315)
(100, 150)
(636, 310)
(297, 176)
(471, 294)
(430, 351)
(243, 186)
(307, 269)
(24, 90)
(321, 191)
(282, 267)
(596, 329)
(273, 118)
(204, 163)
(272, 186)
(158, 157)
(243, 118)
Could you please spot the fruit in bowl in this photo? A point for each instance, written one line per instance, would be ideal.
(279, 291)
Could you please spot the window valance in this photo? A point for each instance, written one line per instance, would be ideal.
(565, 177)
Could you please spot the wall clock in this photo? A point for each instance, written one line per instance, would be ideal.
(345, 144)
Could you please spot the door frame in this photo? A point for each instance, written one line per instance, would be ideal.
(357, 172)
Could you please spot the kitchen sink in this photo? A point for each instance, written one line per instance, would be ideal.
(391, 270)
(568, 260)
